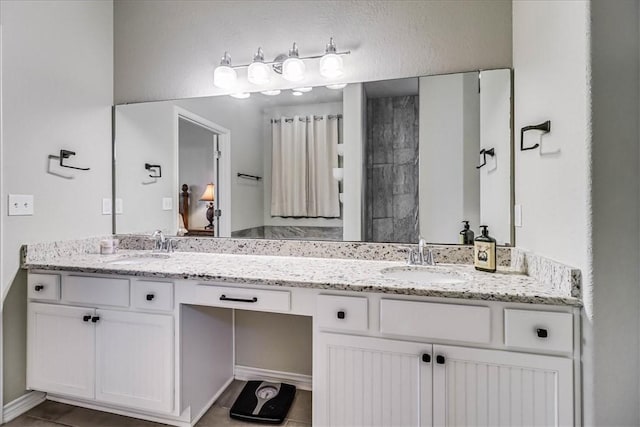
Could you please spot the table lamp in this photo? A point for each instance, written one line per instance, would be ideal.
(209, 196)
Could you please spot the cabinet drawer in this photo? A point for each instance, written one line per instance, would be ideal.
(96, 291)
(44, 287)
(244, 298)
(452, 322)
(343, 313)
(538, 330)
(153, 295)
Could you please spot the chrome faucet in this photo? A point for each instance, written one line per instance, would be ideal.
(161, 243)
(422, 256)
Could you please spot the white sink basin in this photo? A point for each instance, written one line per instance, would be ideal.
(138, 259)
(422, 275)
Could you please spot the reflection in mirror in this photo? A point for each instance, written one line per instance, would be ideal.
(382, 161)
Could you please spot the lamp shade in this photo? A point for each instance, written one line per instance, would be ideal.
(209, 194)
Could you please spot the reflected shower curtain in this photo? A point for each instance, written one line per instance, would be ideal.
(303, 158)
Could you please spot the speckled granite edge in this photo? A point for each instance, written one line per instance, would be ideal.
(554, 274)
(446, 254)
(37, 252)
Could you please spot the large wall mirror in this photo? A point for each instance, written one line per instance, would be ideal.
(386, 161)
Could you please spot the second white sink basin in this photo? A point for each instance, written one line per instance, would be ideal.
(138, 259)
(422, 275)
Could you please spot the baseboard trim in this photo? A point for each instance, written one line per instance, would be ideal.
(247, 373)
(24, 403)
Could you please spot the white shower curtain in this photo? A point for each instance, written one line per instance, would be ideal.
(304, 155)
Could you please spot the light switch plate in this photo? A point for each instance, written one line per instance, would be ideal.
(517, 215)
(167, 203)
(20, 204)
(106, 207)
(119, 209)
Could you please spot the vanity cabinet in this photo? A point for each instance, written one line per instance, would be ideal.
(134, 360)
(60, 349)
(366, 381)
(500, 388)
(395, 372)
(111, 356)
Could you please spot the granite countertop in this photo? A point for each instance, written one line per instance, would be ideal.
(307, 272)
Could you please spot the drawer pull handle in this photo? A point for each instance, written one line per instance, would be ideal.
(542, 333)
(150, 297)
(341, 314)
(426, 358)
(95, 319)
(86, 317)
(38, 288)
(225, 298)
(440, 359)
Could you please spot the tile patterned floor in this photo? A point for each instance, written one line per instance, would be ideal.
(53, 414)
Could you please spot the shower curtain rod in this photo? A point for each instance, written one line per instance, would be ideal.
(305, 119)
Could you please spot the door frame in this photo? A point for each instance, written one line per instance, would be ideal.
(224, 172)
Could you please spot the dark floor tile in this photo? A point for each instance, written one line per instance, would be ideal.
(230, 395)
(27, 421)
(50, 410)
(82, 417)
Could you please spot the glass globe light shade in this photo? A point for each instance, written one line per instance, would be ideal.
(259, 73)
(293, 69)
(331, 66)
(224, 77)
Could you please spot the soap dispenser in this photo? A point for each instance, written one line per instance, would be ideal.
(484, 251)
(466, 235)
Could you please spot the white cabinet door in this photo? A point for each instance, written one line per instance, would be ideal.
(474, 387)
(134, 360)
(61, 357)
(364, 381)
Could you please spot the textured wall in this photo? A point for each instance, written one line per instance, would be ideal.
(57, 92)
(392, 170)
(169, 49)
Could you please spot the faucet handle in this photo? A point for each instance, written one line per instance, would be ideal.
(412, 257)
(429, 259)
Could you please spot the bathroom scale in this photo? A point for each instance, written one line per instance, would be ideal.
(263, 402)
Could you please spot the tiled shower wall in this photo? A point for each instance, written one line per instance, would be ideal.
(392, 170)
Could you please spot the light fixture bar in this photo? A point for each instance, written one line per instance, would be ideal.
(346, 52)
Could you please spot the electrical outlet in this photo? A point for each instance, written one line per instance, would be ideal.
(517, 215)
(106, 207)
(167, 203)
(20, 204)
(119, 209)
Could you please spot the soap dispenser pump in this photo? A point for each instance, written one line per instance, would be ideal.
(484, 251)
(466, 235)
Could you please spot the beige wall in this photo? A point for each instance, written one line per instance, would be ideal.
(168, 49)
(57, 92)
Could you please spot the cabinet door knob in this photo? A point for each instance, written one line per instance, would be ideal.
(542, 332)
(440, 359)
(150, 297)
(341, 314)
(38, 288)
(95, 319)
(86, 317)
(426, 358)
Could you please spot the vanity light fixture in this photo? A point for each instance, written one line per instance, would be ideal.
(224, 76)
(293, 67)
(241, 95)
(271, 92)
(296, 93)
(331, 65)
(304, 89)
(337, 86)
(259, 73)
